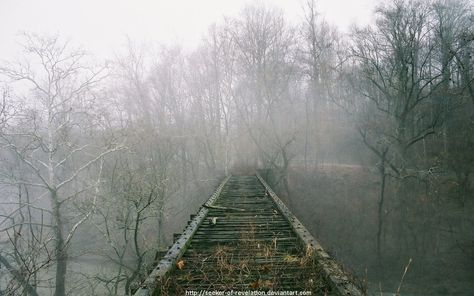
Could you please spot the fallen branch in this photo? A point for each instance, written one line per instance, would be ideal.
(224, 208)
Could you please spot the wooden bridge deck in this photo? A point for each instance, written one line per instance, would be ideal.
(244, 238)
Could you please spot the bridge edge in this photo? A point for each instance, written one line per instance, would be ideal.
(335, 275)
(166, 264)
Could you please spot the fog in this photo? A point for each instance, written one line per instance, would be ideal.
(102, 26)
(119, 118)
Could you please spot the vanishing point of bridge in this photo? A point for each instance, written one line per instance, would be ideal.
(245, 239)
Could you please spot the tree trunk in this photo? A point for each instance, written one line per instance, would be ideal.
(60, 249)
(380, 208)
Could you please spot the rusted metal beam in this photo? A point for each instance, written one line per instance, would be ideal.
(334, 274)
(168, 262)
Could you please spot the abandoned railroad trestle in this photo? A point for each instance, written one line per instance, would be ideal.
(245, 238)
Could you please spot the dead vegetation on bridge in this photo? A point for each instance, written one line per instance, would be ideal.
(248, 265)
(259, 247)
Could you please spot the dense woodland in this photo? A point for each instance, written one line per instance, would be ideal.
(367, 136)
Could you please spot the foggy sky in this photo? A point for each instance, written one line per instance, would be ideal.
(101, 26)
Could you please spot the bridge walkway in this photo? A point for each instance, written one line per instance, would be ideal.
(245, 239)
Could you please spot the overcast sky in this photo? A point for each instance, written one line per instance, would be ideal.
(101, 25)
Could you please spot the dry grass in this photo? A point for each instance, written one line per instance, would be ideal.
(250, 265)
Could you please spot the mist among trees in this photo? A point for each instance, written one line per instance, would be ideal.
(368, 137)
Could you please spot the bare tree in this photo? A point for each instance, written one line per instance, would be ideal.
(317, 54)
(262, 96)
(398, 88)
(453, 35)
(125, 217)
(51, 138)
(209, 80)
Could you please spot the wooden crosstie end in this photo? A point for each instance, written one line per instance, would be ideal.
(245, 239)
